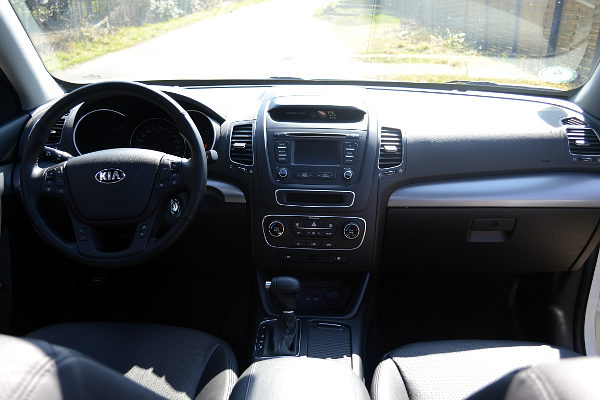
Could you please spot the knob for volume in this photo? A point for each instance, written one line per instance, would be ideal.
(351, 230)
(282, 173)
(276, 228)
(348, 174)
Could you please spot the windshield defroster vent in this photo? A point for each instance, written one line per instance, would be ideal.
(572, 121)
(390, 148)
(56, 130)
(240, 149)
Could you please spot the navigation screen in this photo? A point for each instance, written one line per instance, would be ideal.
(317, 152)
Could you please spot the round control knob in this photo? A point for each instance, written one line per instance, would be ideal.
(282, 173)
(351, 230)
(348, 174)
(276, 228)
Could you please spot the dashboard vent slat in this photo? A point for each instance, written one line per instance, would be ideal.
(240, 149)
(56, 131)
(583, 141)
(390, 148)
(572, 121)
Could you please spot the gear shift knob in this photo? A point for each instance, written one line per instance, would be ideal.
(284, 289)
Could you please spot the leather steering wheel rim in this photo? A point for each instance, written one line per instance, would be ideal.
(194, 173)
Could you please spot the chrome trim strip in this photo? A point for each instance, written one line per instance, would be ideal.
(231, 193)
(314, 190)
(362, 239)
(561, 190)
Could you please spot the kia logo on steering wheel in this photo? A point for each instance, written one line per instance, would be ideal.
(110, 175)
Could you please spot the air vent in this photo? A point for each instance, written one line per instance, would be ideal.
(572, 121)
(56, 130)
(240, 150)
(390, 150)
(583, 141)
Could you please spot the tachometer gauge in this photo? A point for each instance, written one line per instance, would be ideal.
(160, 135)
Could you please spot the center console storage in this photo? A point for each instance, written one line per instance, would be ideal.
(299, 378)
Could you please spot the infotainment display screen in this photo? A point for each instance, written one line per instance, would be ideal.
(317, 152)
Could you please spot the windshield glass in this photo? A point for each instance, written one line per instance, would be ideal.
(547, 44)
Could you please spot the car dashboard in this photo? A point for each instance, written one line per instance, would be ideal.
(354, 179)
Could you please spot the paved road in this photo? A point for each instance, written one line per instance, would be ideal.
(273, 38)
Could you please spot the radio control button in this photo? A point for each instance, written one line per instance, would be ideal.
(299, 243)
(282, 173)
(329, 244)
(348, 174)
(276, 228)
(304, 175)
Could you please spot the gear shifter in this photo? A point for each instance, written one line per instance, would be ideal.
(283, 336)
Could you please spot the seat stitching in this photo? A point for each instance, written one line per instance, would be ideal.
(540, 386)
(249, 380)
(40, 369)
(407, 387)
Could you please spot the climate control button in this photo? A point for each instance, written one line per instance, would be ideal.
(276, 228)
(351, 230)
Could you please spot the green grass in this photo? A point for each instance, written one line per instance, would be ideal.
(77, 52)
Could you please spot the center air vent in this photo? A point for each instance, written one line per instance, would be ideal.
(390, 149)
(583, 140)
(56, 130)
(240, 150)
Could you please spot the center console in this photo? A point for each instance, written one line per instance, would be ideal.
(315, 173)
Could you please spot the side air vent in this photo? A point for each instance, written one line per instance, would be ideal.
(572, 121)
(56, 130)
(390, 149)
(583, 141)
(240, 149)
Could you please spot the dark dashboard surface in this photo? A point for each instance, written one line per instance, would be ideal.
(331, 156)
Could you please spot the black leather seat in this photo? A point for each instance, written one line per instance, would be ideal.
(456, 369)
(176, 363)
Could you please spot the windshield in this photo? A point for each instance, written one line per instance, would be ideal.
(546, 44)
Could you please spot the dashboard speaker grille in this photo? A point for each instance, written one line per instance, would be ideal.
(240, 148)
(56, 130)
(583, 141)
(390, 148)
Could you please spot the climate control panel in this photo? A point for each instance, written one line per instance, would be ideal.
(314, 232)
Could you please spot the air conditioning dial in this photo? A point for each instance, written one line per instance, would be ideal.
(351, 230)
(276, 228)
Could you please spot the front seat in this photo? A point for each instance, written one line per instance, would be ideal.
(455, 369)
(176, 363)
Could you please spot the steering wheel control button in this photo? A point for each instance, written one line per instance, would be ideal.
(348, 174)
(54, 181)
(351, 230)
(276, 228)
(82, 234)
(143, 231)
(282, 173)
(170, 174)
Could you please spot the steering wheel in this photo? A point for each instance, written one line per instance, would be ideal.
(147, 198)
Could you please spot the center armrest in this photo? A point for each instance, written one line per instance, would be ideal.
(299, 378)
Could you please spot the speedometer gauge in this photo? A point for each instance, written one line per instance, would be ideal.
(160, 135)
